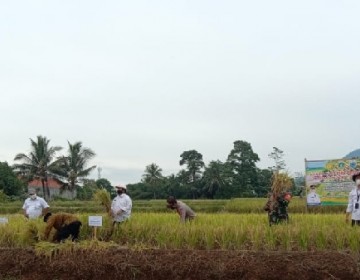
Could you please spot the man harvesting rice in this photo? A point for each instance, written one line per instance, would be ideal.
(184, 211)
(65, 224)
(279, 198)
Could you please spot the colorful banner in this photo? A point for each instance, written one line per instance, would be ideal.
(328, 182)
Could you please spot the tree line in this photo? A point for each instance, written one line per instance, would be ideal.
(238, 176)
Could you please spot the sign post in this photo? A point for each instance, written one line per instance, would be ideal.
(4, 220)
(328, 182)
(95, 222)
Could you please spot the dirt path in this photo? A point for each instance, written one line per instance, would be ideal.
(178, 264)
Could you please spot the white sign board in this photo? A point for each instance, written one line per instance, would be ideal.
(4, 220)
(95, 221)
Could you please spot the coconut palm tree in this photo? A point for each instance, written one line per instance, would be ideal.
(214, 178)
(39, 163)
(73, 166)
(152, 176)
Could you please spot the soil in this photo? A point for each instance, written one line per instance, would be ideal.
(178, 264)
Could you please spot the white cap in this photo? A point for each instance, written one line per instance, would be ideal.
(120, 186)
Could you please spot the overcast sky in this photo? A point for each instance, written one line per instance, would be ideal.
(140, 82)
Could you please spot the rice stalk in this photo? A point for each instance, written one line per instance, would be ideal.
(102, 196)
(281, 182)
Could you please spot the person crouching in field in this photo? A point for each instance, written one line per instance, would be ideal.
(65, 224)
(184, 211)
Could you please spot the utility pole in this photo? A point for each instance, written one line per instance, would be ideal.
(99, 172)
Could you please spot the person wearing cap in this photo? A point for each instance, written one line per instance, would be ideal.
(34, 206)
(354, 200)
(313, 198)
(120, 207)
(184, 211)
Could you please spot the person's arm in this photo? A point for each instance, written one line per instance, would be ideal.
(45, 206)
(182, 213)
(111, 211)
(45, 211)
(127, 206)
(49, 226)
(24, 208)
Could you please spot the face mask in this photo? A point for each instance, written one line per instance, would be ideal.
(33, 196)
(357, 181)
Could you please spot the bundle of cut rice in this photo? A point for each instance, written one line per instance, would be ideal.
(281, 182)
(103, 197)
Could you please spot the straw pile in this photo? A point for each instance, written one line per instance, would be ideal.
(32, 233)
(281, 182)
(103, 197)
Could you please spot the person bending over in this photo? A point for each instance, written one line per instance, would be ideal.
(184, 211)
(65, 224)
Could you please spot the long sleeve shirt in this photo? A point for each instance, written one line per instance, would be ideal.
(121, 202)
(354, 197)
(184, 211)
(57, 221)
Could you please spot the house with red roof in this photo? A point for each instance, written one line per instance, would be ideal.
(57, 188)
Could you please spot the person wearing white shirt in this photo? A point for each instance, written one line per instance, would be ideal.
(313, 198)
(354, 201)
(34, 206)
(120, 207)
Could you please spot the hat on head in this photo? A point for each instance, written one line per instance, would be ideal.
(355, 175)
(31, 191)
(120, 186)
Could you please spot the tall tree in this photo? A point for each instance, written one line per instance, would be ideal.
(264, 182)
(73, 167)
(9, 183)
(278, 156)
(214, 178)
(153, 177)
(39, 163)
(243, 160)
(194, 163)
(104, 183)
(152, 174)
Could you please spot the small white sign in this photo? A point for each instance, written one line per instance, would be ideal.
(4, 220)
(95, 221)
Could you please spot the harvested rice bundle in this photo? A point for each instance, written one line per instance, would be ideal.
(103, 196)
(32, 233)
(281, 182)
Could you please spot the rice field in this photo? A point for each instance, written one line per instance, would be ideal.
(224, 231)
(237, 205)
